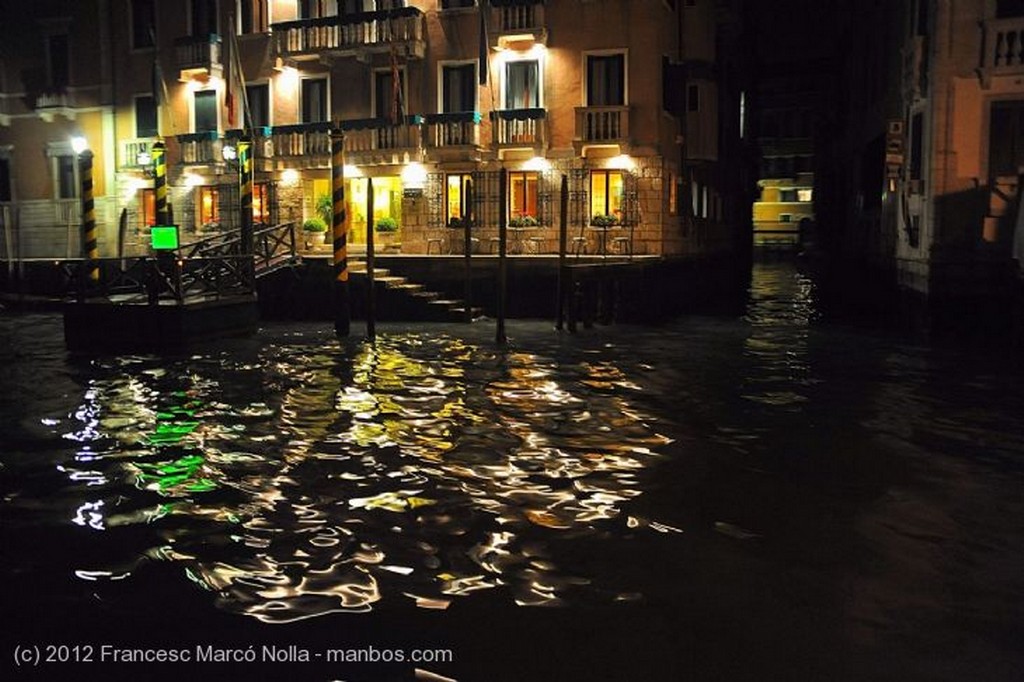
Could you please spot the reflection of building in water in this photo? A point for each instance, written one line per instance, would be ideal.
(414, 468)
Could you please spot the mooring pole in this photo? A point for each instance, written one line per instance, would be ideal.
(339, 229)
(502, 253)
(467, 249)
(245, 209)
(371, 325)
(160, 183)
(90, 251)
(563, 238)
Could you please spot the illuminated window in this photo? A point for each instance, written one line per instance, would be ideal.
(804, 194)
(147, 199)
(673, 195)
(522, 194)
(209, 205)
(606, 192)
(261, 202)
(458, 198)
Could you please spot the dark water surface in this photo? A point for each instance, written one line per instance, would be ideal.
(765, 497)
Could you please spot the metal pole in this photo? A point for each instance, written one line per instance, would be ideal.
(160, 183)
(90, 251)
(246, 235)
(339, 227)
(563, 238)
(371, 325)
(502, 253)
(467, 249)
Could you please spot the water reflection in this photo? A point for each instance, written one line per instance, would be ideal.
(315, 479)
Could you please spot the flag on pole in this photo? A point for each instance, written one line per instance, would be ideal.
(229, 91)
(483, 68)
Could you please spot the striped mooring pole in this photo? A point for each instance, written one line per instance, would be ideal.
(90, 251)
(245, 206)
(339, 229)
(160, 183)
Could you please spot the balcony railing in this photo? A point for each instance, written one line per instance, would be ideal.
(1004, 46)
(136, 153)
(260, 138)
(380, 134)
(200, 148)
(309, 140)
(198, 56)
(350, 33)
(602, 124)
(48, 104)
(454, 130)
(519, 128)
(519, 15)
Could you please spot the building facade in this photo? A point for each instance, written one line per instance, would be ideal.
(926, 158)
(434, 97)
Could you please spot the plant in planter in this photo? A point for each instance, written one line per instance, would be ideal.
(313, 227)
(523, 221)
(602, 220)
(387, 224)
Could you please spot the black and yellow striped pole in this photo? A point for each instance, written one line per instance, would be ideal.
(339, 229)
(160, 183)
(245, 205)
(90, 250)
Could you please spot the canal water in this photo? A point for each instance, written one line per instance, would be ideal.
(769, 495)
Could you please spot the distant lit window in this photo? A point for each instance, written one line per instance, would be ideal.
(208, 205)
(147, 200)
(804, 195)
(606, 193)
(522, 194)
(261, 202)
(458, 197)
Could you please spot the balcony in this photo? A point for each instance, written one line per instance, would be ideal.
(54, 103)
(136, 154)
(198, 57)
(518, 21)
(519, 129)
(367, 141)
(357, 34)
(262, 146)
(602, 127)
(200, 149)
(453, 134)
(304, 145)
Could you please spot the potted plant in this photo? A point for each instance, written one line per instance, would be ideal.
(523, 221)
(386, 229)
(313, 227)
(602, 220)
(324, 207)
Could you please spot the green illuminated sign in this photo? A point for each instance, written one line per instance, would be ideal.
(163, 237)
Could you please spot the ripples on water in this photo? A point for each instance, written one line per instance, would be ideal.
(311, 478)
(870, 481)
